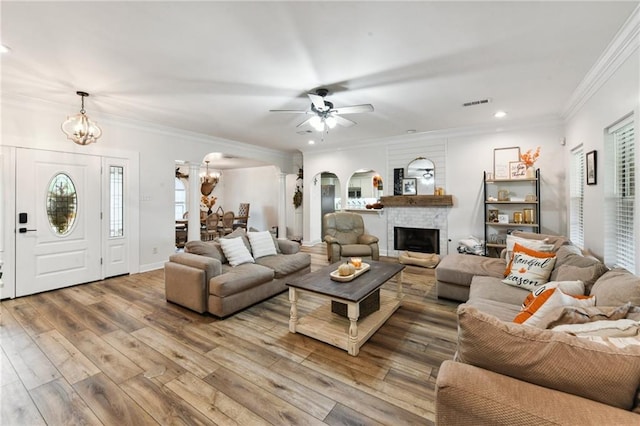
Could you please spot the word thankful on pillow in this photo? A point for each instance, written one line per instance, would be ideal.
(529, 268)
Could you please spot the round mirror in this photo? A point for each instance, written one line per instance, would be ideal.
(425, 172)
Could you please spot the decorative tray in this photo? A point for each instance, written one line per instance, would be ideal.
(346, 278)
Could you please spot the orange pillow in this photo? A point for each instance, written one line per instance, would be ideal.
(536, 306)
(529, 268)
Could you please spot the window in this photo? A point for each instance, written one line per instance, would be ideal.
(116, 201)
(62, 204)
(620, 188)
(181, 199)
(576, 197)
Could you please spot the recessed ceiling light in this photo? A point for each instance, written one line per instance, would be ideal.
(500, 114)
(4, 49)
(312, 142)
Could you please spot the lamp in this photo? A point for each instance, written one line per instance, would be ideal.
(208, 181)
(79, 128)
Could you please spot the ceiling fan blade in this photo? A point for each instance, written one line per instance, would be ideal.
(291, 111)
(344, 122)
(353, 109)
(304, 122)
(317, 101)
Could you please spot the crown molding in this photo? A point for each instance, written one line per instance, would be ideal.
(451, 133)
(623, 45)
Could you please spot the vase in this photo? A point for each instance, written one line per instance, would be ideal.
(530, 173)
(209, 211)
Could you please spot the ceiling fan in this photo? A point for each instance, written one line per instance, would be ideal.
(325, 116)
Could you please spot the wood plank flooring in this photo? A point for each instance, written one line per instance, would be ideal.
(115, 352)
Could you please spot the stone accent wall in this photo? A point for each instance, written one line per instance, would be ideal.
(417, 217)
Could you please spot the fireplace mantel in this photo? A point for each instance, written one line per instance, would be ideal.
(417, 201)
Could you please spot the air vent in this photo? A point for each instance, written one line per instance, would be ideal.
(478, 102)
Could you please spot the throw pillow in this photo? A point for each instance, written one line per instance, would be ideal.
(617, 328)
(547, 358)
(574, 288)
(535, 244)
(582, 315)
(261, 244)
(587, 274)
(202, 248)
(528, 268)
(546, 301)
(616, 287)
(235, 251)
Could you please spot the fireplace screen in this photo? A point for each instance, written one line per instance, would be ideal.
(416, 239)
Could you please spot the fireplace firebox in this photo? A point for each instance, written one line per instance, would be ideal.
(416, 239)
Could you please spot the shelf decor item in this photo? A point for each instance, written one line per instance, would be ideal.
(529, 159)
(501, 159)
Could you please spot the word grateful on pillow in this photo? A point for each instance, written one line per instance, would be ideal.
(544, 301)
(235, 251)
(261, 244)
(529, 268)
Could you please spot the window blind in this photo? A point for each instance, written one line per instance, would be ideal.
(576, 197)
(621, 241)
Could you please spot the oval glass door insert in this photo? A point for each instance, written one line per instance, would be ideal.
(62, 204)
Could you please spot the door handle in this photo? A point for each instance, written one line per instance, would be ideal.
(25, 230)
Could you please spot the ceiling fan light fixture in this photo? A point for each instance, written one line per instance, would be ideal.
(80, 128)
(317, 123)
(331, 122)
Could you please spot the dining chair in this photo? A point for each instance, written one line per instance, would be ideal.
(210, 228)
(226, 226)
(243, 216)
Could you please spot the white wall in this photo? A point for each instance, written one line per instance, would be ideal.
(617, 97)
(35, 124)
(460, 161)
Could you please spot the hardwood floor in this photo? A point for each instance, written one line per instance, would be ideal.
(115, 352)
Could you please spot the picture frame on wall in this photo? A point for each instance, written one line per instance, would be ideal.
(517, 170)
(592, 168)
(409, 186)
(501, 159)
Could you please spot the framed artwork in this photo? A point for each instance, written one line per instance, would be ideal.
(501, 159)
(592, 168)
(398, 175)
(409, 186)
(517, 170)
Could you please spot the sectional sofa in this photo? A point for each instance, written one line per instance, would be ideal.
(577, 363)
(204, 280)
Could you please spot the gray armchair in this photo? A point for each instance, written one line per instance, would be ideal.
(345, 237)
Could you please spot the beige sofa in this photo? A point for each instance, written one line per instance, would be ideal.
(202, 279)
(508, 373)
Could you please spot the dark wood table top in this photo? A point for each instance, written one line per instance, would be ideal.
(354, 290)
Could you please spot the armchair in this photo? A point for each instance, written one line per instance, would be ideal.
(345, 237)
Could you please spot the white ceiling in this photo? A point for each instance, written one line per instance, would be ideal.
(217, 68)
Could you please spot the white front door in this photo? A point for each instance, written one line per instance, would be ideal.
(58, 224)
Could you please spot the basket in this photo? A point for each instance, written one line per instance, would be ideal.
(368, 305)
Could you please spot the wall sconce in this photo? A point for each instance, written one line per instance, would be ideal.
(209, 181)
(79, 128)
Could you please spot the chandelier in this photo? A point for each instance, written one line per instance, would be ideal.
(208, 181)
(79, 128)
